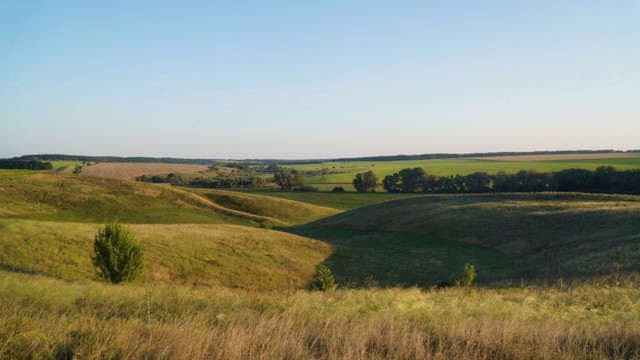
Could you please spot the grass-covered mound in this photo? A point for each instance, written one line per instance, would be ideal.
(196, 254)
(60, 197)
(289, 211)
(529, 236)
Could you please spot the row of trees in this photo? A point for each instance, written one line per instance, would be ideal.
(365, 182)
(25, 164)
(605, 179)
(224, 182)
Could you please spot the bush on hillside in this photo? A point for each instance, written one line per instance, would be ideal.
(323, 278)
(468, 275)
(338, 189)
(117, 256)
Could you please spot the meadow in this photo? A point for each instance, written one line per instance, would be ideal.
(345, 171)
(227, 274)
(45, 318)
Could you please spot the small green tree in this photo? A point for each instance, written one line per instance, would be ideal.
(468, 275)
(116, 254)
(323, 279)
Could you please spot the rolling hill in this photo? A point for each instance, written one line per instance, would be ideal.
(507, 236)
(60, 197)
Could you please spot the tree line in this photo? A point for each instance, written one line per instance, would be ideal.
(471, 155)
(25, 164)
(605, 179)
(221, 182)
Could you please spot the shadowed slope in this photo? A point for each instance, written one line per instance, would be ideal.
(544, 235)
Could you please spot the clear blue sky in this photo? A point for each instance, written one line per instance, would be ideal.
(317, 79)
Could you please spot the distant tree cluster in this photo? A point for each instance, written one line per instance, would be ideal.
(288, 179)
(365, 182)
(605, 179)
(224, 182)
(25, 164)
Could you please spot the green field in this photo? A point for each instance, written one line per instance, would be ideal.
(442, 167)
(335, 200)
(558, 274)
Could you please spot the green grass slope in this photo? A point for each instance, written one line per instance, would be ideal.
(532, 236)
(293, 212)
(60, 197)
(194, 254)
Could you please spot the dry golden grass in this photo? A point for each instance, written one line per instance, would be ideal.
(558, 157)
(131, 170)
(48, 319)
(196, 254)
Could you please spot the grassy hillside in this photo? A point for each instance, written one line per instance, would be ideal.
(59, 197)
(196, 254)
(530, 236)
(44, 318)
(442, 167)
(293, 212)
(334, 200)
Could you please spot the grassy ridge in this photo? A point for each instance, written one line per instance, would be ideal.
(43, 318)
(444, 167)
(59, 197)
(293, 212)
(544, 235)
(334, 200)
(197, 254)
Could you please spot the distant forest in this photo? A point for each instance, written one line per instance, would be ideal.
(166, 160)
(472, 155)
(170, 160)
(25, 164)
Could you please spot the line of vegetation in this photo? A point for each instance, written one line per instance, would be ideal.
(136, 159)
(472, 155)
(605, 180)
(25, 164)
(219, 182)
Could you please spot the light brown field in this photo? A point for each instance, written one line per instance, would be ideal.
(131, 170)
(558, 157)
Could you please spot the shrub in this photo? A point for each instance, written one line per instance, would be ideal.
(468, 275)
(338, 189)
(306, 188)
(323, 279)
(117, 256)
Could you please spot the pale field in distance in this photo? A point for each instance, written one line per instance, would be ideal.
(131, 170)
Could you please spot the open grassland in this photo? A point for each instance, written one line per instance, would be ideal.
(293, 212)
(529, 236)
(66, 167)
(131, 170)
(196, 254)
(43, 318)
(334, 200)
(217, 287)
(445, 167)
(57, 197)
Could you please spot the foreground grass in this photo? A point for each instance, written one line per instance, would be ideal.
(42, 318)
(196, 254)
